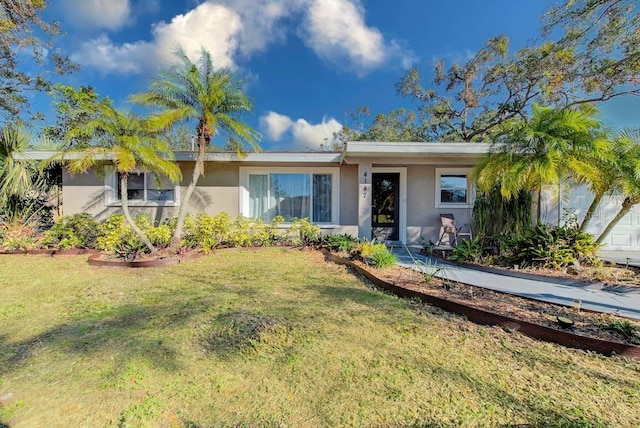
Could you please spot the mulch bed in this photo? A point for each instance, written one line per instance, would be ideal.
(586, 323)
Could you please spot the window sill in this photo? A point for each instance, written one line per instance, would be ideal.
(321, 225)
(454, 205)
(145, 204)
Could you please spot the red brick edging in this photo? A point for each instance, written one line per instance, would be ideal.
(483, 317)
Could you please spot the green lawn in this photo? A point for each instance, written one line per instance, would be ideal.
(274, 338)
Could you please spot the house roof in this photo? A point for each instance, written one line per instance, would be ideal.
(396, 149)
(352, 150)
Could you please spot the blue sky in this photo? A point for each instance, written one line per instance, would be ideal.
(305, 62)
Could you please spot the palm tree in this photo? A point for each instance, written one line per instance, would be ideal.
(130, 144)
(625, 177)
(196, 91)
(555, 145)
(16, 174)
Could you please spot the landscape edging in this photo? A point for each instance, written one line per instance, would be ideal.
(483, 317)
(51, 252)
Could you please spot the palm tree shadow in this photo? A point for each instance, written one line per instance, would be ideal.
(130, 332)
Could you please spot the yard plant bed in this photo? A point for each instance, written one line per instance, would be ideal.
(585, 323)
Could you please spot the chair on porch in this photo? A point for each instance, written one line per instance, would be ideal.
(449, 229)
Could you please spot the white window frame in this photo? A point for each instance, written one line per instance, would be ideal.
(470, 187)
(111, 192)
(245, 172)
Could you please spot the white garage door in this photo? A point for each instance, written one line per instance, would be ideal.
(625, 236)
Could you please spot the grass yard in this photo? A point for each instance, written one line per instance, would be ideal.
(274, 338)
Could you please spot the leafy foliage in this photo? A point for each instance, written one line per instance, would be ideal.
(303, 232)
(495, 216)
(113, 231)
(376, 254)
(197, 91)
(126, 142)
(343, 242)
(20, 29)
(74, 231)
(551, 246)
(627, 329)
(588, 53)
(73, 107)
(467, 251)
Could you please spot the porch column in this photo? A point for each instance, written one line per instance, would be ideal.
(364, 200)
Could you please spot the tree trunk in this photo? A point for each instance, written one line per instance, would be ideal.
(626, 207)
(198, 169)
(124, 183)
(590, 212)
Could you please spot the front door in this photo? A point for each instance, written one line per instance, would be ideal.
(384, 206)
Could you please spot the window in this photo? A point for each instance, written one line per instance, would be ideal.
(290, 193)
(453, 188)
(142, 190)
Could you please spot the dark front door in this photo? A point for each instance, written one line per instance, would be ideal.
(384, 206)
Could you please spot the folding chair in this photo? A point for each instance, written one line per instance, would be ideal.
(451, 230)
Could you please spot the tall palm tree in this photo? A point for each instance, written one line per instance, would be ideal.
(214, 98)
(625, 177)
(130, 144)
(553, 146)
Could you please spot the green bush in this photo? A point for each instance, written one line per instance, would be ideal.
(207, 232)
(343, 242)
(113, 232)
(241, 235)
(19, 243)
(551, 246)
(73, 231)
(382, 259)
(376, 254)
(160, 236)
(467, 251)
(302, 232)
(131, 248)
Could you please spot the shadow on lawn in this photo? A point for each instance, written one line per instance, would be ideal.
(128, 331)
(531, 408)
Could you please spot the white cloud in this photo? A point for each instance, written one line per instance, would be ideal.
(313, 136)
(102, 54)
(275, 125)
(210, 26)
(302, 134)
(334, 29)
(101, 14)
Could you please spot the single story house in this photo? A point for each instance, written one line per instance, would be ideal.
(388, 191)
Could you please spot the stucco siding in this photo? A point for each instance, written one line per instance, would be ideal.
(349, 197)
(423, 216)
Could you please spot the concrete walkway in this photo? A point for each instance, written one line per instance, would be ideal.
(624, 301)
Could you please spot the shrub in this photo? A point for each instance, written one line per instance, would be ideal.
(376, 254)
(382, 258)
(302, 232)
(130, 248)
(342, 242)
(630, 331)
(551, 246)
(113, 232)
(73, 231)
(207, 232)
(241, 235)
(160, 236)
(19, 243)
(467, 251)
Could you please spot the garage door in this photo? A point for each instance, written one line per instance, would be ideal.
(625, 236)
